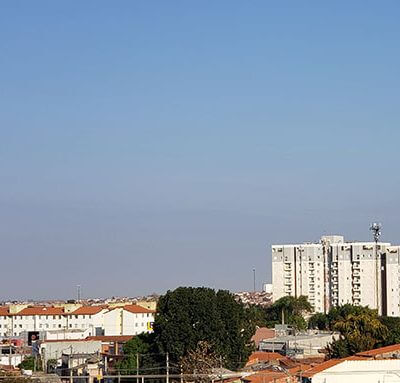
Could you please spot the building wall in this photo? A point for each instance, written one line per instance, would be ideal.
(54, 350)
(113, 322)
(123, 322)
(371, 371)
(334, 272)
(136, 323)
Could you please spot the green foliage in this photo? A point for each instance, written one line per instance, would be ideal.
(360, 330)
(290, 309)
(393, 325)
(30, 364)
(340, 313)
(297, 322)
(318, 321)
(138, 349)
(189, 315)
(257, 315)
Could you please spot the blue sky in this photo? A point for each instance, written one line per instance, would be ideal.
(147, 145)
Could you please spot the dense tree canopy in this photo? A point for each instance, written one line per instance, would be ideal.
(187, 316)
(360, 329)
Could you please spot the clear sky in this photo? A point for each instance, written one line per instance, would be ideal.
(150, 144)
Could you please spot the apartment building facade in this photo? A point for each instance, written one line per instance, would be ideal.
(334, 272)
(93, 320)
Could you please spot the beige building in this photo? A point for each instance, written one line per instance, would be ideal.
(334, 272)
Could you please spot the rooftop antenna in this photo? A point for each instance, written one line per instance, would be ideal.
(376, 230)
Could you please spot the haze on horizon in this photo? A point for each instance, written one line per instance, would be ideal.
(148, 145)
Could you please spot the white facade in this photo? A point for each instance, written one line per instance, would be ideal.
(128, 320)
(361, 371)
(334, 272)
(90, 320)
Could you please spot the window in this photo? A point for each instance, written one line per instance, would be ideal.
(59, 326)
(136, 324)
(47, 325)
(70, 325)
(20, 326)
(76, 316)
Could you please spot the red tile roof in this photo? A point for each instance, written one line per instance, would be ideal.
(87, 310)
(136, 309)
(4, 311)
(378, 351)
(261, 356)
(41, 310)
(269, 376)
(321, 367)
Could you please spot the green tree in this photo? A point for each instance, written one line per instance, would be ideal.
(393, 325)
(318, 321)
(30, 363)
(359, 332)
(138, 349)
(189, 315)
(290, 310)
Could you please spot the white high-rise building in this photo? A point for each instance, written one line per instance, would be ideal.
(334, 272)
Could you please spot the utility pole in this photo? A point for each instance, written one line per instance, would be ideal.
(78, 292)
(9, 353)
(137, 367)
(167, 360)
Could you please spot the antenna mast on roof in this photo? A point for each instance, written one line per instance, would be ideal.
(376, 230)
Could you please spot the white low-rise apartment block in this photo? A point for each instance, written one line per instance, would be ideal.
(334, 272)
(93, 320)
(128, 320)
